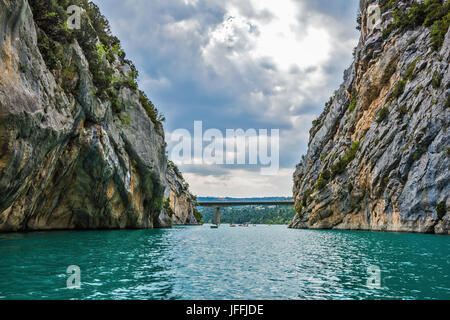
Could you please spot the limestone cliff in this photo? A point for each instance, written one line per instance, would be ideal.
(378, 156)
(80, 146)
(181, 201)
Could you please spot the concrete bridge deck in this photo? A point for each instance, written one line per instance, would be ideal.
(222, 204)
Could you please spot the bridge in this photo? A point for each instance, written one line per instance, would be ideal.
(222, 204)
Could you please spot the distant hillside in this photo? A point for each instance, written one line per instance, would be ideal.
(257, 214)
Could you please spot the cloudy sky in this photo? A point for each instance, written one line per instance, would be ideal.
(262, 64)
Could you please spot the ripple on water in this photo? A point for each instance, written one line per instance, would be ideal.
(226, 263)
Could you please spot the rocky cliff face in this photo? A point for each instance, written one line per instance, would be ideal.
(378, 156)
(180, 200)
(80, 146)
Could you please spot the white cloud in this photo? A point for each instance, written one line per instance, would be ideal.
(278, 60)
(241, 183)
(283, 38)
(238, 64)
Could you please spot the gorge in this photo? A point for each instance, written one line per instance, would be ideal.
(94, 207)
(81, 147)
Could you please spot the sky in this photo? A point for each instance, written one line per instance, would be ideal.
(238, 64)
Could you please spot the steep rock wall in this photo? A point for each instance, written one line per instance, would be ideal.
(378, 156)
(67, 160)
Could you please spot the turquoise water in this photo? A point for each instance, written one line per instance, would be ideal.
(229, 263)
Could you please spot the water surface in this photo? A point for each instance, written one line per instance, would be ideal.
(229, 263)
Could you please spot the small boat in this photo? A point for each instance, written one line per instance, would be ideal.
(214, 226)
(232, 225)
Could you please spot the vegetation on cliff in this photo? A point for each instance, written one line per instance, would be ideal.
(101, 48)
(430, 13)
(198, 216)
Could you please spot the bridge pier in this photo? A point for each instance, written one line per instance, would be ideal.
(216, 219)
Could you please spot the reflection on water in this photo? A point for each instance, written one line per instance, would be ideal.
(229, 263)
